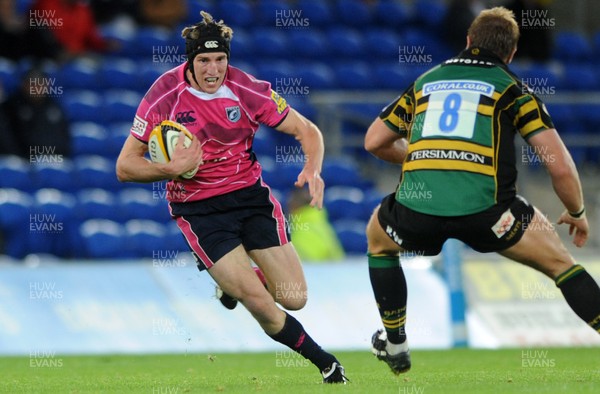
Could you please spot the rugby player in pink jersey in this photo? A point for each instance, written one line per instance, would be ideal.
(226, 212)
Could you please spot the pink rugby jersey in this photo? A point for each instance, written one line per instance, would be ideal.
(225, 123)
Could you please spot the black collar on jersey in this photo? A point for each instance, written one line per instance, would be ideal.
(482, 54)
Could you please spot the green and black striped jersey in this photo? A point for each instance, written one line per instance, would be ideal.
(460, 119)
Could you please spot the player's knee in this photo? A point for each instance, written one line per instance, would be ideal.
(291, 297)
(293, 304)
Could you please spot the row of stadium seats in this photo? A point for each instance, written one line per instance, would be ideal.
(281, 166)
(94, 223)
(87, 96)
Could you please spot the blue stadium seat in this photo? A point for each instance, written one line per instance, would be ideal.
(392, 13)
(319, 13)
(372, 199)
(271, 12)
(283, 175)
(149, 40)
(596, 45)
(9, 75)
(194, 7)
(148, 73)
(79, 74)
(392, 75)
(309, 43)
(541, 78)
(264, 145)
(236, 13)
(317, 76)
(430, 12)
(95, 171)
(571, 46)
(121, 105)
(145, 238)
(175, 238)
(274, 72)
(103, 239)
(15, 209)
(122, 33)
(140, 203)
(97, 204)
(589, 115)
(344, 202)
(88, 138)
(120, 73)
(15, 172)
(242, 48)
(354, 12)
(581, 77)
(84, 106)
(117, 136)
(354, 75)
(345, 42)
(340, 172)
(59, 176)
(270, 42)
(352, 235)
(383, 43)
(52, 224)
(564, 117)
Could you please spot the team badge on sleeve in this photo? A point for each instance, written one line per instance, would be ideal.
(280, 101)
(139, 126)
(233, 113)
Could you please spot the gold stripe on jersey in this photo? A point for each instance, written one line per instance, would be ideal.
(487, 110)
(397, 117)
(451, 165)
(451, 145)
(532, 110)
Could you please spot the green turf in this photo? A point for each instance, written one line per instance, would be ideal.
(550, 370)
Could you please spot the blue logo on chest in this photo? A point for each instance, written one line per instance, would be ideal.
(233, 113)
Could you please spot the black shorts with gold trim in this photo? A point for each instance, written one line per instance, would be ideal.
(493, 230)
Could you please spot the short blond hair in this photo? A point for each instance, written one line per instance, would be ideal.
(495, 29)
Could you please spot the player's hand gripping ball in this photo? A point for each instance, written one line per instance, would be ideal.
(162, 142)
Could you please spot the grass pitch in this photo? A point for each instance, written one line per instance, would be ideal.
(551, 370)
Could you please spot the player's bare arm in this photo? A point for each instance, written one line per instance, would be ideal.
(311, 139)
(132, 165)
(384, 143)
(565, 180)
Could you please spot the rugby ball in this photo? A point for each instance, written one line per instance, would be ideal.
(162, 142)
